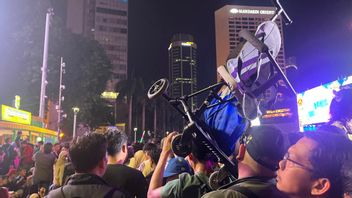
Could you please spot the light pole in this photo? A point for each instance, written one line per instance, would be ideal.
(61, 98)
(45, 63)
(75, 112)
(135, 134)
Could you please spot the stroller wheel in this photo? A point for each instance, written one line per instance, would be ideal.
(180, 149)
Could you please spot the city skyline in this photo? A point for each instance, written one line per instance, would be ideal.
(321, 51)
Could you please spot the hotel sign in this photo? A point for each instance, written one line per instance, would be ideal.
(14, 115)
(252, 11)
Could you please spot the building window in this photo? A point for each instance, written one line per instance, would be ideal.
(111, 11)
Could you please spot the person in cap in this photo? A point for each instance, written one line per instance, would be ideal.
(312, 167)
(175, 166)
(186, 185)
(260, 150)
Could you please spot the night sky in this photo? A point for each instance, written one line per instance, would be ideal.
(320, 37)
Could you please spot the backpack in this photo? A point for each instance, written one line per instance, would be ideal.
(68, 171)
(194, 190)
(249, 192)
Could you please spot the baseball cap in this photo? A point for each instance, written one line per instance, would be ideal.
(266, 145)
(176, 166)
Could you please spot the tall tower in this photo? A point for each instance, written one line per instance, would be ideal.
(107, 22)
(183, 67)
(231, 19)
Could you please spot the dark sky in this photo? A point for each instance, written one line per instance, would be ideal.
(320, 37)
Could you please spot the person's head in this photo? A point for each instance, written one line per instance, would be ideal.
(39, 144)
(200, 154)
(117, 145)
(174, 167)
(137, 146)
(65, 146)
(57, 147)
(22, 172)
(8, 140)
(18, 143)
(346, 173)
(152, 152)
(261, 148)
(88, 154)
(149, 149)
(341, 108)
(311, 167)
(48, 148)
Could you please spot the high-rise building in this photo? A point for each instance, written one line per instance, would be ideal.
(231, 19)
(183, 69)
(183, 66)
(107, 22)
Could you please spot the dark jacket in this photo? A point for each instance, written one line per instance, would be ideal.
(250, 187)
(127, 179)
(85, 185)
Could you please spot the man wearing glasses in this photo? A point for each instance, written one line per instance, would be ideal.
(311, 167)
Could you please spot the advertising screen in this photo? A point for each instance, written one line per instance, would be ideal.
(314, 104)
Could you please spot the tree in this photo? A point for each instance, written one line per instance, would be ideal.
(87, 65)
(133, 90)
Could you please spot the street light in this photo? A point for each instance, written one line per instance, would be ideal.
(61, 98)
(44, 82)
(135, 134)
(75, 112)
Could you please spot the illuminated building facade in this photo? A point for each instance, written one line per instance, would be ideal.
(183, 66)
(182, 70)
(231, 19)
(107, 22)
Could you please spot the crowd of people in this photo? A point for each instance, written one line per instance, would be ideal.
(270, 163)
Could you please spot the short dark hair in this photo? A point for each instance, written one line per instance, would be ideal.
(201, 152)
(327, 158)
(340, 106)
(66, 145)
(346, 173)
(149, 146)
(115, 140)
(48, 147)
(153, 151)
(57, 143)
(87, 151)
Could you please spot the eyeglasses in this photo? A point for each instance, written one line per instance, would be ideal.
(292, 163)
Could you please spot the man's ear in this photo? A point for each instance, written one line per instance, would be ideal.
(321, 186)
(124, 148)
(241, 152)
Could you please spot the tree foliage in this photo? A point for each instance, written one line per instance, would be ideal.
(87, 65)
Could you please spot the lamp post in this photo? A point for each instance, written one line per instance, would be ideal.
(49, 14)
(135, 134)
(61, 98)
(75, 112)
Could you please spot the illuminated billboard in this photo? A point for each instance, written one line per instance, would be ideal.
(14, 115)
(314, 104)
